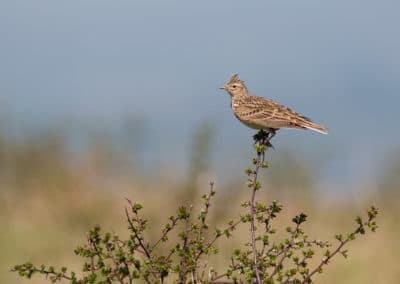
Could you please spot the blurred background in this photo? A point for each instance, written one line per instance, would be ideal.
(101, 100)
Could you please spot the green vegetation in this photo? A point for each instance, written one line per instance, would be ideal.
(190, 246)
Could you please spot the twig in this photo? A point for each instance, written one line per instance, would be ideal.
(92, 268)
(132, 227)
(46, 272)
(325, 261)
(111, 253)
(262, 140)
(185, 247)
(174, 221)
(216, 237)
(99, 256)
(136, 249)
(142, 245)
(224, 274)
(285, 252)
(205, 213)
(338, 249)
(253, 229)
(129, 272)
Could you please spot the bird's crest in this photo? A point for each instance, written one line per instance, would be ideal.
(235, 79)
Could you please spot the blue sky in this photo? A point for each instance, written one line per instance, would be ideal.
(90, 62)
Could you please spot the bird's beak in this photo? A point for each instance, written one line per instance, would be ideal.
(223, 88)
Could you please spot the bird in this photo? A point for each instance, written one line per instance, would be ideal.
(265, 114)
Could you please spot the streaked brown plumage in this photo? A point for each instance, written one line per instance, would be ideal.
(262, 113)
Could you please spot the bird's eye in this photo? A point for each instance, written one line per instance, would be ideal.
(234, 86)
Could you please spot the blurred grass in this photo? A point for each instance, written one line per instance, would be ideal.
(49, 199)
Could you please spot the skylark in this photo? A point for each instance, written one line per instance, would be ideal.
(265, 114)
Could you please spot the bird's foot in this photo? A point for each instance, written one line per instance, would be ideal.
(264, 137)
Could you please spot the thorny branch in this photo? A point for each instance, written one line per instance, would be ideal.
(262, 143)
(204, 212)
(370, 223)
(134, 229)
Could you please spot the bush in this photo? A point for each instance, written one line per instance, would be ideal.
(109, 258)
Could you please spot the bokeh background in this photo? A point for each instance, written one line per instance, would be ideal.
(101, 100)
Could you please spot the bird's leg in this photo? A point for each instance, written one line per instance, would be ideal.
(270, 134)
(260, 136)
(263, 138)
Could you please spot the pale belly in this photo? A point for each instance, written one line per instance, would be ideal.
(251, 125)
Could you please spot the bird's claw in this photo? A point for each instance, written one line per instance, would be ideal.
(269, 145)
(264, 137)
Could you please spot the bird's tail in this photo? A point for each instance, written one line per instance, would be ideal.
(316, 127)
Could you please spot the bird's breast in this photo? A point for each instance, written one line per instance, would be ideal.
(234, 104)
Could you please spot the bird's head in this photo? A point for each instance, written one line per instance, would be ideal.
(235, 86)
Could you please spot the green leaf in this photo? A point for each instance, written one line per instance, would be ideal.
(300, 218)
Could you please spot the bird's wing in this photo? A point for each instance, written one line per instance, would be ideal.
(261, 109)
